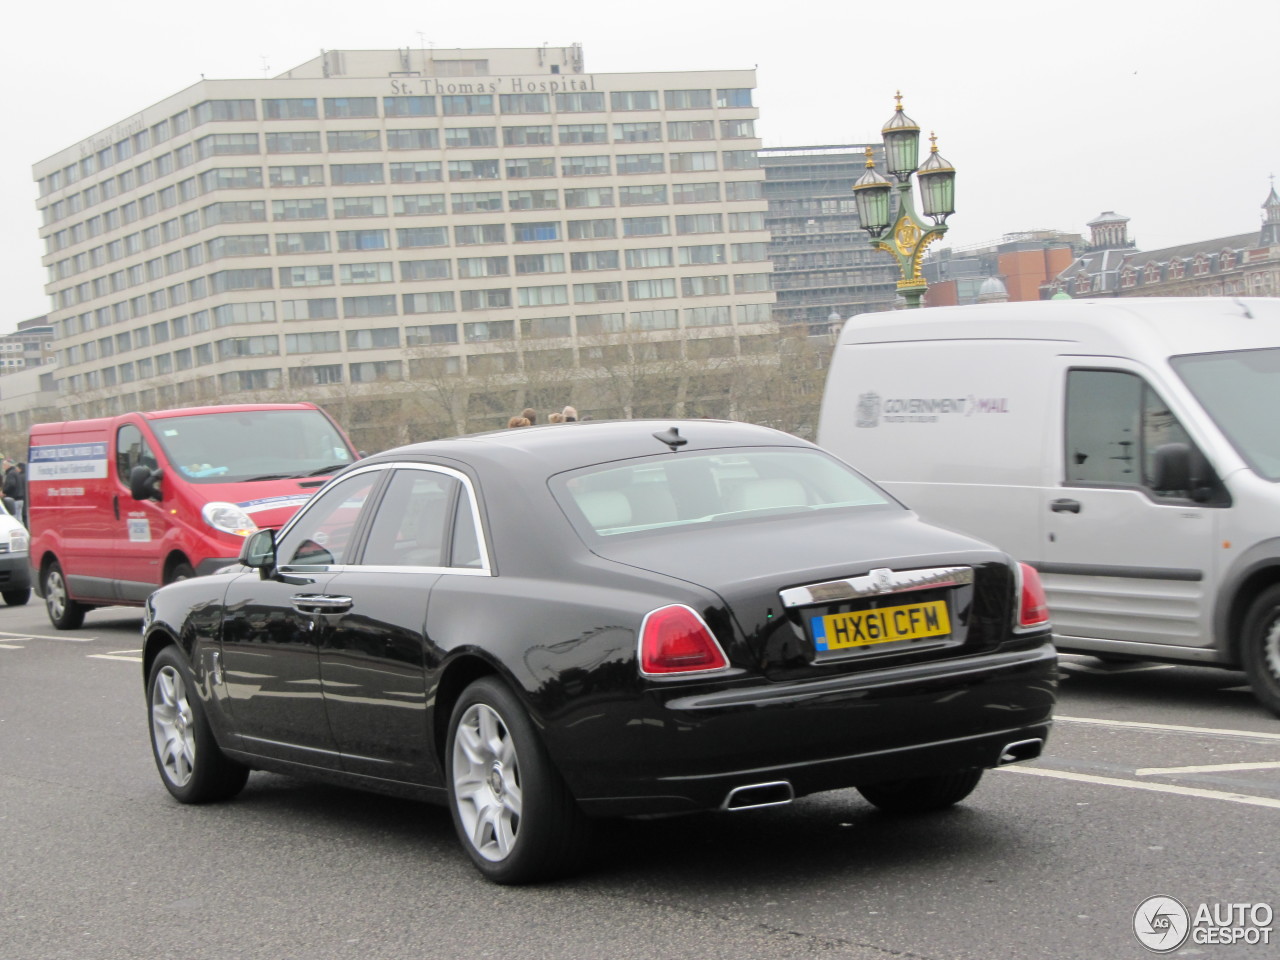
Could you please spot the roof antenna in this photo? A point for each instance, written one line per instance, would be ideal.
(671, 437)
(1245, 308)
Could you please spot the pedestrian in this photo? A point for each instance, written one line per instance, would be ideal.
(570, 414)
(530, 414)
(15, 490)
(518, 422)
(556, 418)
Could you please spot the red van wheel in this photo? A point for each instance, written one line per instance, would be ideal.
(64, 613)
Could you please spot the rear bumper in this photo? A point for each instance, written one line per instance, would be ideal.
(699, 746)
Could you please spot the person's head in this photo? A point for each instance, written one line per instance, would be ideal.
(518, 422)
(570, 414)
(530, 414)
(556, 418)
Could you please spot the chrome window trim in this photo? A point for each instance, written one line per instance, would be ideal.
(486, 565)
(876, 583)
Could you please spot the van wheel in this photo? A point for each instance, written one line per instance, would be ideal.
(64, 613)
(17, 598)
(1260, 648)
(182, 571)
(922, 794)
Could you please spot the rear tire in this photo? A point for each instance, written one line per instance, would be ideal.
(64, 613)
(922, 794)
(1260, 648)
(17, 598)
(512, 810)
(191, 766)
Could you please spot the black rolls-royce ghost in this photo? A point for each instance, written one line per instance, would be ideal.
(543, 626)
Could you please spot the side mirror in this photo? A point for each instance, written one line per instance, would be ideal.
(1181, 467)
(144, 483)
(259, 550)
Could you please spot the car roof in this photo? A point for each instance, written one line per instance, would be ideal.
(567, 446)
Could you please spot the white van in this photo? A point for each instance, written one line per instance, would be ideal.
(1129, 449)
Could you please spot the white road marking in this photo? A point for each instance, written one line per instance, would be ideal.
(1169, 728)
(130, 656)
(1271, 802)
(1112, 669)
(38, 636)
(1210, 768)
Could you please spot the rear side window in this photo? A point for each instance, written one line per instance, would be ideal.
(412, 521)
(687, 489)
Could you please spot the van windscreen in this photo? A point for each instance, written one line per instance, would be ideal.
(246, 445)
(1240, 390)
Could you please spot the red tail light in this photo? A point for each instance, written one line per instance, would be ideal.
(1033, 605)
(675, 640)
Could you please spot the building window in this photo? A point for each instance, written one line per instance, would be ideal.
(640, 163)
(349, 173)
(688, 99)
(643, 195)
(341, 107)
(599, 166)
(430, 334)
(374, 371)
(591, 229)
(745, 190)
(539, 263)
(741, 160)
(479, 233)
(700, 223)
(409, 106)
(380, 338)
(734, 97)
(634, 99)
(225, 145)
(488, 202)
(749, 252)
(695, 192)
(296, 108)
(323, 308)
(533, 199)
(417, 171)
(649, 257)
(523, 168)
(294, 142)
(297, 176)
(418, 204)
(467, 105)
(441, 302)
(489, 330)
(706, 316)
(535, 232)
(248, 347)
(317, 375)
(538, 327)
(317, 275)
(651, 289)
(364, 240)
(702, 254)
(691, 130)
(412, 237)
(737, 129)
(693, 162)
(425, 270)
(740, 222)
(221, 110)
(597, 292)
(583, 133)
(580, 102)
(349, 273)
(317, 242)
(594, 260)
(542, 296)
(311, 209)
(485, 300)
(459, 137)
(526, 136)
(654, 319)
(637, 132)
(473, 169)
(416, 139)
(704, 286)
(525, 103)
(352, 207)
(471, 267)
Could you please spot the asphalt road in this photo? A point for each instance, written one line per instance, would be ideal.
(1157, 781)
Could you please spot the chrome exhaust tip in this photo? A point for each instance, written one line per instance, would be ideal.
(1021, 750)
(753, 796)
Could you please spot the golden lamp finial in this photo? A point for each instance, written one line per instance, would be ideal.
(933, 142)
(870, 161)
(898, 96)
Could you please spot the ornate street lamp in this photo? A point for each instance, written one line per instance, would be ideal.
(908, 236)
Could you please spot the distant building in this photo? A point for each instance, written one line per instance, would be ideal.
(372, 218)
(824, 267)
(1246, 264)
(1022, 262)
(30, 346)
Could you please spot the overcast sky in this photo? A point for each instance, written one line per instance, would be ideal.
(1167, 112)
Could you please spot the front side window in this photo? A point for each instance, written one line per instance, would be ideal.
(322, 534)
(1115, 424)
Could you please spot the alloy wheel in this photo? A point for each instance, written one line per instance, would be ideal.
(173, 727)
(486, 782)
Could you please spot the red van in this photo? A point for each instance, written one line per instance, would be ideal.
(122, 505)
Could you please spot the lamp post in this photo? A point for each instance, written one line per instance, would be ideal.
(908, 236)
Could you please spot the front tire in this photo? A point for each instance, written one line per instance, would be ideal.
(512, 810)
(64, 613)
(1260, 648)
(181, 571)
(192, 767)
(922, 794)
(17, 598)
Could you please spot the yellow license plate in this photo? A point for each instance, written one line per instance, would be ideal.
(846, 631)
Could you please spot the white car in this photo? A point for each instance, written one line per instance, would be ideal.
(15, 568)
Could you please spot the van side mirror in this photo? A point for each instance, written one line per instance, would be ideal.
(259, 550)
(1182, 468)
(144, 483)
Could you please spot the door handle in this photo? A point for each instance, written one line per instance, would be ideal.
(320, 603)
(1065, 506)
(115, 504)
